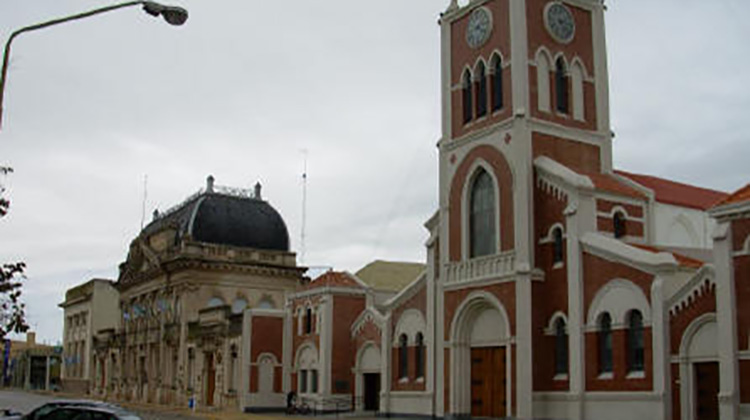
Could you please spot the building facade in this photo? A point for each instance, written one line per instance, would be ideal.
(554, 286)
(87, 309)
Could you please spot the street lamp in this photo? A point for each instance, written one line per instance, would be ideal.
(172, 14)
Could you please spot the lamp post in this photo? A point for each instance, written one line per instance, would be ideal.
(172, 14)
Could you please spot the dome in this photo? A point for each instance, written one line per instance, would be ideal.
(225, 216)
(238, 221)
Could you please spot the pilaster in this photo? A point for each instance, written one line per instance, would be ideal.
(726, 310)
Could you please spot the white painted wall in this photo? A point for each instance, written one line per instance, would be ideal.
(682, 226)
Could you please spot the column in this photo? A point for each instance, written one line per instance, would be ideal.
(726, 310)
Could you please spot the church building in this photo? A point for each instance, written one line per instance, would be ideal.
(554, 285)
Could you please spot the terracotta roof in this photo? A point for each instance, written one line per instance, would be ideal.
(606, 182)
(389, 275)
(677, 193)
(743, 194)
(333, 279)
(682, 260)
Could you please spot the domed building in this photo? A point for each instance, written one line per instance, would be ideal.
(199, 282)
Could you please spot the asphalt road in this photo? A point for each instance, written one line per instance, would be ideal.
(26, 401)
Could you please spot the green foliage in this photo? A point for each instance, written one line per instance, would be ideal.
(12, 310)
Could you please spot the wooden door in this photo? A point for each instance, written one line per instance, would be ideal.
(372, 391)
(210, 379)
(488, 382)
(707, 391)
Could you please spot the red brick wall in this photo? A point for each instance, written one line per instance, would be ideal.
(619, 381)
(267, 337)
(701, 304)
(505, 293)
(298, 340)
(464, 56)
(578, 156)
(550, 296)
(597, 272)
(504, 177)
(606, 206)
(418, 302)
(742, 293)
(632, 227)
(740, 232)
(581, 46)
(346, 309)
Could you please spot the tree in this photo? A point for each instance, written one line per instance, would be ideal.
(12, 310)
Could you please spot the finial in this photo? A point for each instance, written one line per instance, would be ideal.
(452, 6)
(156, 214)
(210, 184)
(257, 191)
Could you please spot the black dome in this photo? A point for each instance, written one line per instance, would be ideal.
(238, 221)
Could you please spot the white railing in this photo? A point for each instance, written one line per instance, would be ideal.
(482, 268)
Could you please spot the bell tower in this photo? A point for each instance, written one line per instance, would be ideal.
(520, 79)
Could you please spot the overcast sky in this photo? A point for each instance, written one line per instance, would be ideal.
(245, 87)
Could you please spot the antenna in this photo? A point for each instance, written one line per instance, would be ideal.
(304, 208)
(145, 195)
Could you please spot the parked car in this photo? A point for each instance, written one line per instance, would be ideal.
(45, 409)
(91, 412)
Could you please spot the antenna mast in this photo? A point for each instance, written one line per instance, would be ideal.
(304, 208)
(143, 205)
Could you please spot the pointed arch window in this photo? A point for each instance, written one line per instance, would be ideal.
(635, 342)
(308, 320)
(605, 343)
(561, 87)
(557, 245)
(467, 96)
(419, 353)
(482, 216)
(497, 83)
(619, 226)
(481, 90)
(561, 347)
(403, 356)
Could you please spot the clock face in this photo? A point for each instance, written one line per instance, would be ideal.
(559, 22)
(479, 28)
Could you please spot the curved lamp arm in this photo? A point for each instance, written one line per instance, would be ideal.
(172, 14)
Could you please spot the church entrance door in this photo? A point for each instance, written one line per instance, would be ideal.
(488, 382)
(707, 391)
(372, 391)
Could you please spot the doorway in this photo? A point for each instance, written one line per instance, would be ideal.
(372, 391)
(488, 392)
(706, 391)
(210, 379)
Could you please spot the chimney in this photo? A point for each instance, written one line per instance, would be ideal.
(210, 184)
(257, 191)
(31, 338)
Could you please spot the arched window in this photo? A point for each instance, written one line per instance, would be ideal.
(467, 97)
(561, 86)
(482, 216)
(618, 220)
(419, 358)
(497, 83)
(557, 245)
(403, 356)
(239, 305)
(635, 341)
(561, 348)
(308, 320)
(215, 302)
(605, 343)
(481, 91)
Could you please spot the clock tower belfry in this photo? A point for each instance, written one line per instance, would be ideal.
(520, 79)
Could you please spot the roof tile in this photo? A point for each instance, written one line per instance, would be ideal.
(677, 193)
